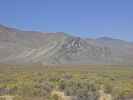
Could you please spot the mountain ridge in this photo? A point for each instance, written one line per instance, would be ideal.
(29, 47)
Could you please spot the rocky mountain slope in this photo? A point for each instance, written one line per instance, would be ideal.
(27, 47)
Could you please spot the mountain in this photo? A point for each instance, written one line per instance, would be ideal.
(29, 47)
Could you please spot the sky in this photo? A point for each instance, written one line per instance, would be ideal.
(85, 18)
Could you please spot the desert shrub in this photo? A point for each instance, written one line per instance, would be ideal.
(78, 82)
(55, 97)
(18, 98)
(44, 88)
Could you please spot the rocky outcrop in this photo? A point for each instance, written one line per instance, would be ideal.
(58, 95)
(104, 96)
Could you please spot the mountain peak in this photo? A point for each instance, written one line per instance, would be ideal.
(105, 38)
(6, 28)
(3, 27)
(60, 48)
(109, 39)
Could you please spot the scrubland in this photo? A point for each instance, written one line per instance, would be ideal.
(66, 82)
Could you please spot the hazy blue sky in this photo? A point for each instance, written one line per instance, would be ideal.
(92, 18)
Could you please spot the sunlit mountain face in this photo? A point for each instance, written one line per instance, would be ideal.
(29, 47)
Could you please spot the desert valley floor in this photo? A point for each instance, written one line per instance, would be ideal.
(66, 82)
